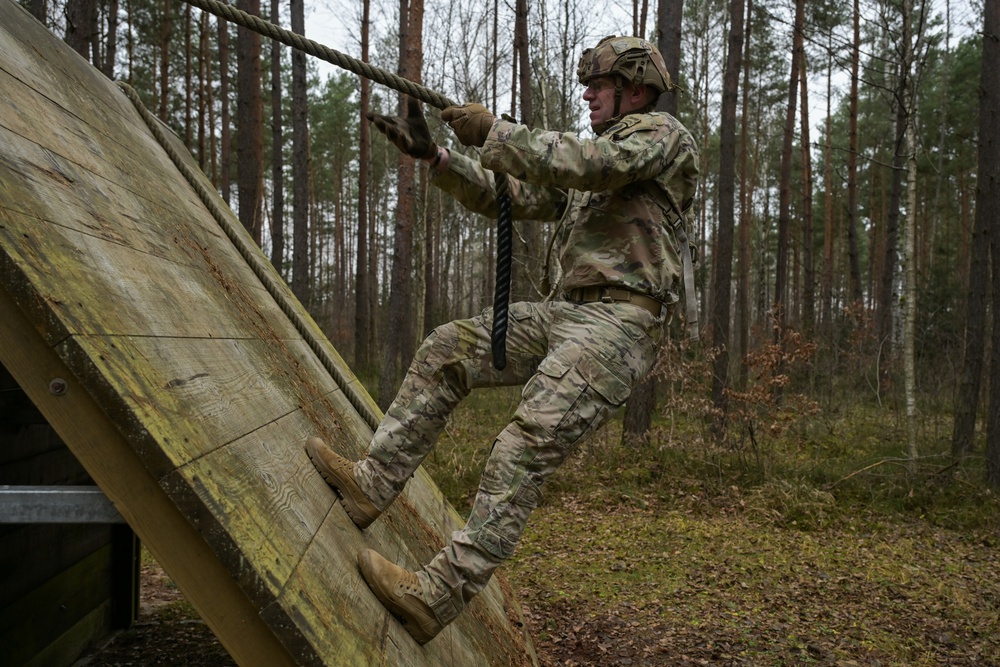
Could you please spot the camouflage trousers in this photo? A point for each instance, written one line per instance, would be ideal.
(578, 364)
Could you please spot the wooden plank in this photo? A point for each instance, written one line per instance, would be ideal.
(74, 272)
(54, 548)
(27, 442)
(54, 465)
(61, 601)
(258, 502)
(114, 465)
(93, 120)
(65, 649)
(126, 563)
(184, 398)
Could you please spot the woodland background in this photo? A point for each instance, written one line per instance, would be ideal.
(815, 482)
(843, 222)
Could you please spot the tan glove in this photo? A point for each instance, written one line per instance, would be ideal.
(471, 122)
(410, 134)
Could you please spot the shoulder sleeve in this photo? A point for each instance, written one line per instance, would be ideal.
(639, 147)
(473, 187)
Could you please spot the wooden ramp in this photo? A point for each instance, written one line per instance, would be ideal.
(175, 376)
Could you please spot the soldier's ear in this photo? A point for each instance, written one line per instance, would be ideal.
(640, 95)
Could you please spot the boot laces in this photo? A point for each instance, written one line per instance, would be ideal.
(408, 585)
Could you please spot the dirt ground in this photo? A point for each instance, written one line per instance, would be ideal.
(650, 585)
(169, 633)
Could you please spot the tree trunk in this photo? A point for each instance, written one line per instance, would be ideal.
(112, 40)
(524, 65)
(988, 209)
(204, 96)
(164, 60)
(808, 269)
(432, 226)
(669, 18)
(414, 72)
(529, 239)
(852, 166)
(249, 118)
(746, 219)
(907, 99)
(399, 318)
(277, 158)
(301, 252)
(886, 303)
(188, 75)
(225, 137)
(639, 409)
(78, 26)
(362, 314)
(95, 36)
(785, 180)
(970, 381)
(826, 290)
(723, 257)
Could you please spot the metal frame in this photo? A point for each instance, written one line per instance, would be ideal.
(56, 504)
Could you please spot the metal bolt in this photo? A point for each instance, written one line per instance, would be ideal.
(58, 386)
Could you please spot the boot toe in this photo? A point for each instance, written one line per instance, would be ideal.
(338, 473)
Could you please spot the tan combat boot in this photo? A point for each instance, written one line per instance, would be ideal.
(399, 591)
(338, 472)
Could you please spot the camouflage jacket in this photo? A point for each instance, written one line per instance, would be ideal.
(617, 197)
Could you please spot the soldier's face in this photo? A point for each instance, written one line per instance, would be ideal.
(600, 96)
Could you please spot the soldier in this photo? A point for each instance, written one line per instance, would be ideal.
(620, 201)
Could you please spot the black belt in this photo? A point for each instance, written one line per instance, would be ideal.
(614, 294)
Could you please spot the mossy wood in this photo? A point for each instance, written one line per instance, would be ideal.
(185, 391)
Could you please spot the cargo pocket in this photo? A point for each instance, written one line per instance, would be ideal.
(436, 350)
(579, 396)
(604, 381)
(551, 392)
(502, 530)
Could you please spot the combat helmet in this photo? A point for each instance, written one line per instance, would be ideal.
(631, 59)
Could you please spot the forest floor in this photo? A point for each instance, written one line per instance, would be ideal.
(695, 582)
(821, 547)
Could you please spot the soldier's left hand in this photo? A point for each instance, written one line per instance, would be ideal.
(471, 122)
(410, 132)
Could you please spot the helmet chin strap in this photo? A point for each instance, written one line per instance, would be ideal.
(616, 116)
(619, 89)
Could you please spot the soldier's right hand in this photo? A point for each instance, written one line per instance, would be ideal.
(410, 134)
(471, 122)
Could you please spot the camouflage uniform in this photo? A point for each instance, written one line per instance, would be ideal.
(616, 199)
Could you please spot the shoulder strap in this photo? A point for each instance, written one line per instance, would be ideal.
(678, 225)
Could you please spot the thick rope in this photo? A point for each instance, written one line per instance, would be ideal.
(501, 294)
(296, 41)
(254, 259)
(415, 90)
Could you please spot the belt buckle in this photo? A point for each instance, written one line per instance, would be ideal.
(605, 295)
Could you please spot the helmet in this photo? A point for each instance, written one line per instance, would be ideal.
(632, 58)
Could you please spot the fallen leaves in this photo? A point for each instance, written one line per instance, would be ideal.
(655, 584)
